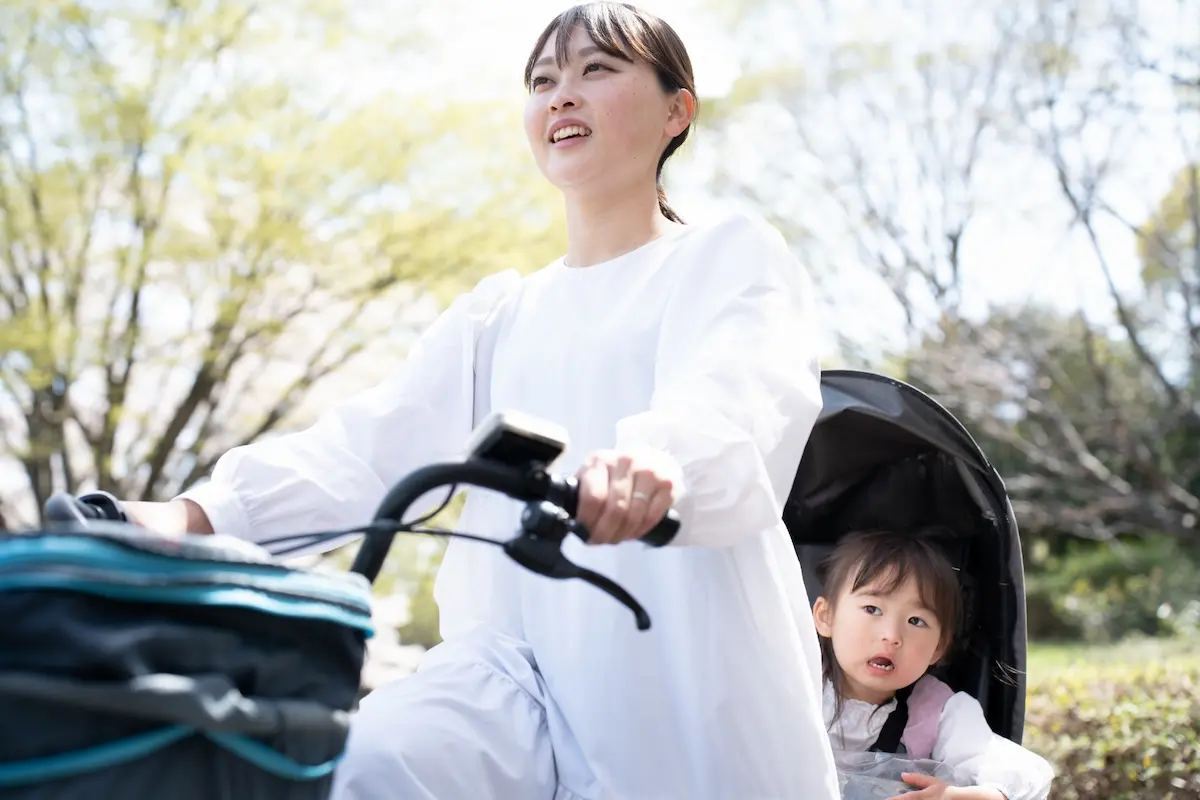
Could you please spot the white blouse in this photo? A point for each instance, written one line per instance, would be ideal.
(702, 345)
(964, 743)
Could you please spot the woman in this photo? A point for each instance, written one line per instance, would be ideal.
(681, 361)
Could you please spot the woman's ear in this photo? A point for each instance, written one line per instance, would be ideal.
(823, 617)
(681, 113)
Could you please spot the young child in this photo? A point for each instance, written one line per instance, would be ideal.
(888, 612)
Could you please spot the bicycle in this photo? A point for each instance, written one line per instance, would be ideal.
(255, 697)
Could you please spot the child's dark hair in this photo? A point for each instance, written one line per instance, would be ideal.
(886, 559)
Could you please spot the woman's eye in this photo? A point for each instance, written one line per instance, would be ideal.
(593, 65)
(540, 80)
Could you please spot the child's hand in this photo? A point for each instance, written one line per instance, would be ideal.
(930, 787)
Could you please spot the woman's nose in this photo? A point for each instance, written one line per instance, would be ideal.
(564, 96)
(561, 102)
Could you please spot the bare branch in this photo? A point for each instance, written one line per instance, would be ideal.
(1132, 330)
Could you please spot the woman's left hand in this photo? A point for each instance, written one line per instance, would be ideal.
(622, 495)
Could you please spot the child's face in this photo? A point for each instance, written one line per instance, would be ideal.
(882, 642)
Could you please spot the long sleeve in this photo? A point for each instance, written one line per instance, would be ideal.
(737, 382)
(335, 473)
(979, 757)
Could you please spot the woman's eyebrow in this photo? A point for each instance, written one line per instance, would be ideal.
(582, 53)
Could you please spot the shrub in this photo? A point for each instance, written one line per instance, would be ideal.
(1121, 731)
(1102, 593)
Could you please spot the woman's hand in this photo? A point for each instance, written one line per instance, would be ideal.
(623, 495)
(173, 518)
(932, 788)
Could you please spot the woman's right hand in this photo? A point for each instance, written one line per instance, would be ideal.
(173, 518)
(622, 495)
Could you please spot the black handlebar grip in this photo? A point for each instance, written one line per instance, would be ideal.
(665, 531)
(660, 535)
(105, 506)
(63, 507)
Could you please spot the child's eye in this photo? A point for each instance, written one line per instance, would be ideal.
(917, 621)
(872, 610)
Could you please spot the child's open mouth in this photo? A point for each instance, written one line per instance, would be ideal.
(881, 664)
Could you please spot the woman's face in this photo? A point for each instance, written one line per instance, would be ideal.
(599, 122)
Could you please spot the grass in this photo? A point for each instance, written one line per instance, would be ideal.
(1047, 659)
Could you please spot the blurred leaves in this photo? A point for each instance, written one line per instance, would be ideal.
(199, 224)
(1145, 588)
(1167, 242)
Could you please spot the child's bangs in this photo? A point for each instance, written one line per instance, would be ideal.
(885, 569)
(884, 572)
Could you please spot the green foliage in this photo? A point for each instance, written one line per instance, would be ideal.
(1099, 593)
(422, 626)
(200, 222)
(1119, 730)
(413, 573)
(1167, 238)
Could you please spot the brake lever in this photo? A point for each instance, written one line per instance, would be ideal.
(539, 549)
(615, 591)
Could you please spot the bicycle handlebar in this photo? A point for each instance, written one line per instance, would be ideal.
(549, 516)
(509, 452)
(527, 485)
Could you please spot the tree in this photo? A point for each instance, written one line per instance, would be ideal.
(872, 144)
(893, 146)
(1114, 101)
(1069, 418)
(199, 227)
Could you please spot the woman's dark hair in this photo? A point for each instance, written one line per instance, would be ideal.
(626, 32)
(885, 560)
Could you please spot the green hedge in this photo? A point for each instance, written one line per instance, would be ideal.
(1097, 593)
(1118, 730)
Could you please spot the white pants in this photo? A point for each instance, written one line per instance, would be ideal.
(470, 724)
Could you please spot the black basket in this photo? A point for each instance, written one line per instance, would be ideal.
(136, 666)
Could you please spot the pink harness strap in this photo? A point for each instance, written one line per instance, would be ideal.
(929, 696)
